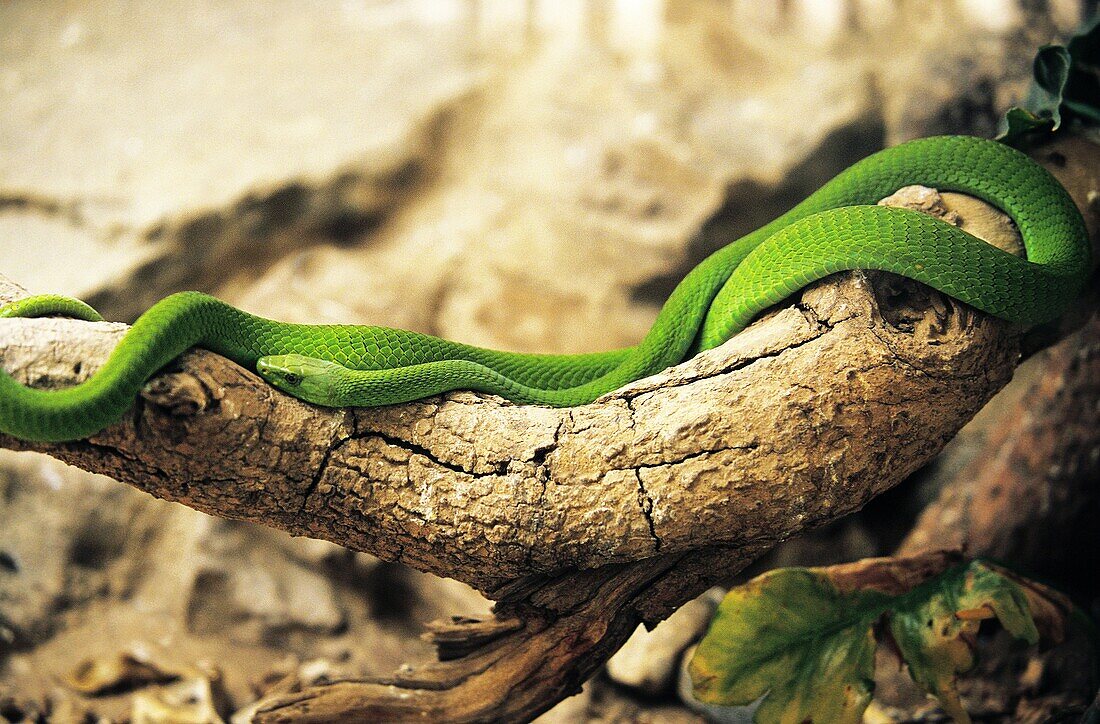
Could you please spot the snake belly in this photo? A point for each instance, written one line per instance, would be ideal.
(836, 228)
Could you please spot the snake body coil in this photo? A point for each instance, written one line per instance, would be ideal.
(834, 229)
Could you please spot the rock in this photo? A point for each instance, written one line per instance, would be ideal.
(260, 605)
(649, 660)
(191, 701)
(65, 256)
(243, 592)
(65, 541)
(143, 138)
(127, 670)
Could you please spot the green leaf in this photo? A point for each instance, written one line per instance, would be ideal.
(803, 638)
(1019, 122)
(935, 626)
(1065, 88)
(790, 634)
(1050, 71)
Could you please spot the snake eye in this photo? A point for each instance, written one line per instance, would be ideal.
(293, 378)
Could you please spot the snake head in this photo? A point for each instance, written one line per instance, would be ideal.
(307, 378)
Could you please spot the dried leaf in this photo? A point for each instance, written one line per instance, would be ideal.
(803, 638)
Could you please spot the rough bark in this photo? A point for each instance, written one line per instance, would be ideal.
(580, 522)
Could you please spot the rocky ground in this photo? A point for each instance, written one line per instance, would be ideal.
(534, 179)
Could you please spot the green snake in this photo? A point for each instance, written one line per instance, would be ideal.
(838, 227)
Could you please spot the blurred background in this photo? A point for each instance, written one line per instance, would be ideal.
(533, 175)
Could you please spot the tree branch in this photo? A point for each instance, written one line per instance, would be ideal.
(582, 521)
(475, 488)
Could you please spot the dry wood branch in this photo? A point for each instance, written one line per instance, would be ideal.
(832, 398)
(581, 522)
